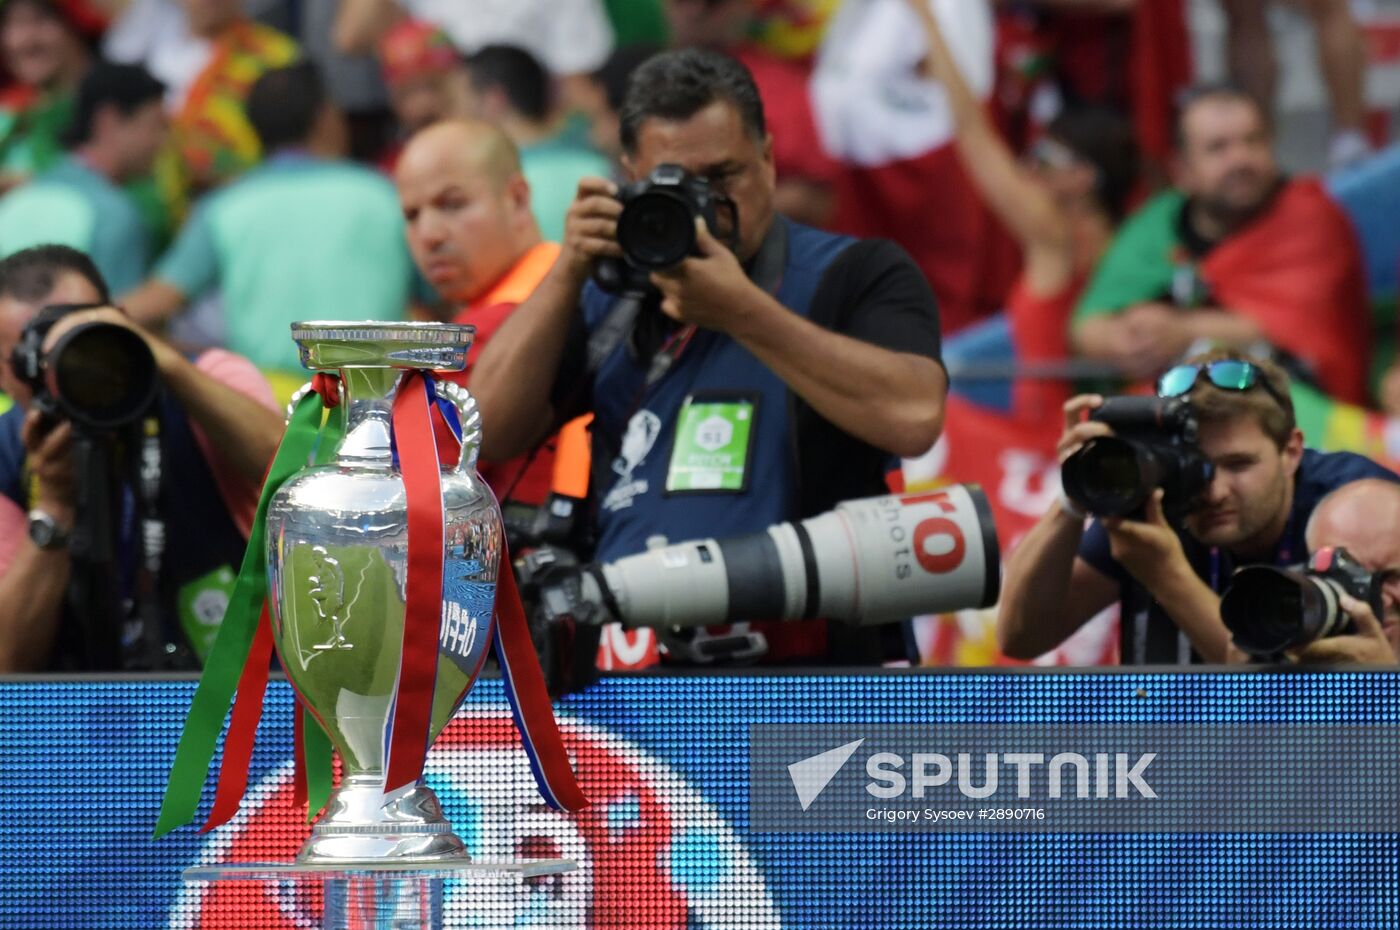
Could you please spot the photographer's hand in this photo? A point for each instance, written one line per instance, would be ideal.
(1148, 548)
(33, 580)
(590, 228)
(49, 457)
(1078, 430)
(1152, 553)
(1369, 645)
(709, 290)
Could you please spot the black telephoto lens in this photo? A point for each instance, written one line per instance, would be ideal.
(102, 375)
(1269, 610)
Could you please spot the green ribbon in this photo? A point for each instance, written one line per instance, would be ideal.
(315, 744)
(213, 698)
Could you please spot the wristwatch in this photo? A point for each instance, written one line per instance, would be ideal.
(45, 532)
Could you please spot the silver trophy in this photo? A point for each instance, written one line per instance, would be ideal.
(337, 547)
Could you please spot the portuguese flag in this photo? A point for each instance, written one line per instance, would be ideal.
(1296, 271)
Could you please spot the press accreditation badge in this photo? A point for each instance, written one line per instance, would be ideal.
(201, 604)
(713, 444)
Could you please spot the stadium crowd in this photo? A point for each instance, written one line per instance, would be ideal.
(1067, 205)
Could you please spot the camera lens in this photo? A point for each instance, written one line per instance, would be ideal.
(1110, 477)
(103, 375)
(1268, 610)
(656, 230)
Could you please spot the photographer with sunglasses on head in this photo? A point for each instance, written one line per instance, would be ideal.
(1167, 563)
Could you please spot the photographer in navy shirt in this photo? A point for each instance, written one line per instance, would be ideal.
(1255, 510)
(808, 360)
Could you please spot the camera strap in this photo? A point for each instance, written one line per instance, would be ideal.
(145, 638)
(766, 271)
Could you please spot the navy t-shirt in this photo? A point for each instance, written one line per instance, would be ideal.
(1148, 634)
(799, 464)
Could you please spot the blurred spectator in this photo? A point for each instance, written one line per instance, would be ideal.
(1390, 391)
(1236, 255)
(44, 52)
(466, 204)
(1062, 208)
(208, 54)
(793, 28)
(218, 430)
(305, 235)
(636, 22)
(892, 128)
(806, 176)
(1131, 55)
(354, 82)
(117, 131)
(423, 73)
(1341, 53)
(603, 102)
(571, 38)
(508, 87)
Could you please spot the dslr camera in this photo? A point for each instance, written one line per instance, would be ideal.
(1271, 610)
(101, 376)
(656, 230)
(1154, 445)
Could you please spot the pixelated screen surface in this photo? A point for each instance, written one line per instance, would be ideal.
(666, 843)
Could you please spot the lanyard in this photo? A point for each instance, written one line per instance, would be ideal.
(144, 640)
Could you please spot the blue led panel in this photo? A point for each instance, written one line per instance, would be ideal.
(666, 845)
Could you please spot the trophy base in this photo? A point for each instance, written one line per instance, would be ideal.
(376, 896)
(363, 824)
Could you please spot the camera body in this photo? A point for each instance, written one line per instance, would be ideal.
(101, 376)
(1271, 610)
(656, 229)
(1154, 445)
(545, 543)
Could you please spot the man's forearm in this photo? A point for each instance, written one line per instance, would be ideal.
(153, 303)
(1194, 608)
(513, 377)
(1222, 326)
(1097, 337)
(244, 431)
(892, 400)
(1034, 615)
(31, 598)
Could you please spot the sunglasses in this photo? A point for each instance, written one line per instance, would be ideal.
(1228, 374)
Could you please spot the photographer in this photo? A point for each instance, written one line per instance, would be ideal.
(822, 350)
(1364, 519)
(194, 490)
(1253, 509)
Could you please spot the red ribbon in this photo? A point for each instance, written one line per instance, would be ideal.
(529, 697)
(327, 384)
(242, 728)
(413, 702)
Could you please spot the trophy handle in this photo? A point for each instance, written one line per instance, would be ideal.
(470, 416)
(467, 412)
